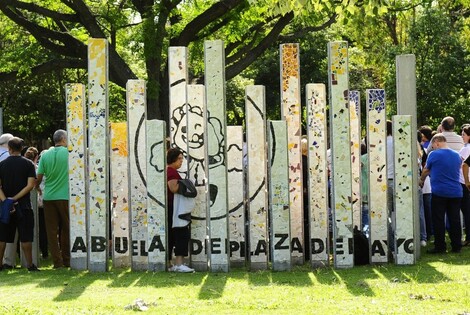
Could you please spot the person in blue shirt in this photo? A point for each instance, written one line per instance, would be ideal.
(443, 166)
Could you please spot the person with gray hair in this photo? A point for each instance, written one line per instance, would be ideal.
(453, 140)
(53, 165)
(443, 165)
(4, 145)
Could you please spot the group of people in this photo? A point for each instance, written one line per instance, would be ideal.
(444, 185)
(22, 169)
(448, 185)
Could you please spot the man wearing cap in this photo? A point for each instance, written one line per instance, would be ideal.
(9, 259)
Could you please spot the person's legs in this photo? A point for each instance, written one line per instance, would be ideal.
(52, 222)
(455, 231)
(9, 257)
(438, 205)
(428, 215)
(422, 221)
(465, 208)
(63, 206)
(42, 233)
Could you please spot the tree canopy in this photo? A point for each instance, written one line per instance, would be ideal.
(44, 44)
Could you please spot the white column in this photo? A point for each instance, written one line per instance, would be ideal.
(236, 204)
(355, 121)
(377, 146)
(290, 111)
(98, 154)
(214, 60)
(406, 105)
(404, 195)
(136, 103)
(156, 194)
(256, 176)
(178, 80)
(76, 143)
(279, 196)
(340, 154)
(197, 126)
(121, 240)
(318, 174)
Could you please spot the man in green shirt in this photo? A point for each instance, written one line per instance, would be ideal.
(53, 166)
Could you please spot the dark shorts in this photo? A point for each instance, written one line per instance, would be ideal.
(179, 239)
(24, 224)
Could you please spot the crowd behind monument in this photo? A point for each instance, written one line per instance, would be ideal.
(444, 196)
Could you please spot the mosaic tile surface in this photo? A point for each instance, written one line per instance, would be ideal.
(98, 153)
(290, 111)
(376, 135)
(318, 174)
(76, 132)
(404, 195)
(355, 121)
(120, 196)
(136, 100)
(340, 154)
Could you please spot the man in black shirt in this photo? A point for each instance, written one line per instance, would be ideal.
(17, 179)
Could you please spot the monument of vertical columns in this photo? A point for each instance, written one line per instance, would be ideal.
(196, 129)
(404, 195)
(136, 104)
(121, 238)
(257, 202)
(318, 174)
(340, 154)
(377, 146)
(76, 144)
(98, 153)
(290, 111)
(214, 60)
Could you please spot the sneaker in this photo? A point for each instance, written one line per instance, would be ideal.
(33, 268)
(183, 268)
(424, 244)
(172, 268)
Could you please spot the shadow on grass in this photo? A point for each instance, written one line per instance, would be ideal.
(213, 286)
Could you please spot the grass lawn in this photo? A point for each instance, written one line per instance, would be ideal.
(438, 284)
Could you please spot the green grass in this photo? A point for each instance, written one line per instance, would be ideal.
(436, 285)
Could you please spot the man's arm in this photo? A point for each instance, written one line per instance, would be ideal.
(29, 186)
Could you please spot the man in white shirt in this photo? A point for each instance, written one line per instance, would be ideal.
(454, 141)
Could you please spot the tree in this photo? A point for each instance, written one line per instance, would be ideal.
(140, 31)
